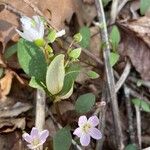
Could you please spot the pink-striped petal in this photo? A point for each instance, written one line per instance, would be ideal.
(95, 133)
(93, 121)
(85, 139)
(27, 137)
(78, 132)
(43, 136)
(34, 133)
(82, 120)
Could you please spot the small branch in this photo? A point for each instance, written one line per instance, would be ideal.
(129, 115)
(123, 77)
(123, 3)
(138, 122)
(60, 127)
(114, 11)
(110, 76)
(40, 109)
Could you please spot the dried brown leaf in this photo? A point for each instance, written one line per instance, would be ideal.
(136, 44)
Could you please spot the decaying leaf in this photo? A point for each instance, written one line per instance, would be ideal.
(15, 110)
(136, 44)
(9, 125)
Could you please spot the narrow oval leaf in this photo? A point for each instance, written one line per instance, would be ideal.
(55, 75)
(32, 60)
(10, 51)
(144, 6)
(75, 53)
(113, 58)
(92, 74)
(52, 36)
(77, 37)
(131, 147)
(62, 139)
(85, 103)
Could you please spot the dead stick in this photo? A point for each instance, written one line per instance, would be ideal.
(114, 10)
(110, 76)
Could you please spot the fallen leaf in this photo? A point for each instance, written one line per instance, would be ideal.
(135, 44)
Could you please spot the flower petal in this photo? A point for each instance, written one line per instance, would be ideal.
(94, 121)
(78, 132)
(43, 135)
(95, 133)
(34, 133)
(60, 33)
(82, 120)
(27, 137)
(85, 139)
(26, 22)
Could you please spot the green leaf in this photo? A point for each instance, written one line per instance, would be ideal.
(115, 37)
(105, 2)
(113, 58)
(1, 72)
(144, 6)
(52, 36)
(77, 37)
(85, 32)
(10, 51)
(131, 147)
(75, 53)
(85, 103)
(32, 60)
(55, 75)
(141, 104)
(92, 74)
(62, 140)
(35, 84)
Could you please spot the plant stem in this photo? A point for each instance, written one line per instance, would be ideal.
(110, 76)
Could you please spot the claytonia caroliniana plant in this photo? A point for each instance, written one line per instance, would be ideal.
(36, 138)
(87, 129)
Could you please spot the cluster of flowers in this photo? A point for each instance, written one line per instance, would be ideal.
(33, 29)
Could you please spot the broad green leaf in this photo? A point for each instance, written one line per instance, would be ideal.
(92, 74)
(10, 51)
(144, 6)
(32, 60)
(1, 72)
(113, 58)
(85, 32)
(55, 75)
(141, 104)
(115, 37)
(85, 103)
(131, 147)
(52, 36)
(62, 139)
(77, 37)
(75, 53)
(35, 84)
(105, 2)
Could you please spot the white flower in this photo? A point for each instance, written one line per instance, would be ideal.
(60, 33)
(33, 29)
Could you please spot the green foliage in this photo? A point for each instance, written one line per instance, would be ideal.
(10, 51)
(105, 2)
(39, 42)
(92, 74)
(32, 60)
(1, 72)
(75, 53)
(131, 147)
(55, 75)
(52, 36)
(35, 84)
(115, 37)
(77, 37)
(141, 104)
(85, 103)
(144, 6)
(113, 58)
(62, 140)
(85, 32)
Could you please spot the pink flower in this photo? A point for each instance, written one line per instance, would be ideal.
(87, 129)
(36, 138)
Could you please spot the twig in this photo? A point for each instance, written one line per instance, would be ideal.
(40, 109)
(138, 122)
(110, 77)
(123, 77)
(60, 127)
(114, 11)
(123, 3)
(129, 115)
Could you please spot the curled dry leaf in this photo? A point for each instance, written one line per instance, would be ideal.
(9, 125)
(135, 44)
